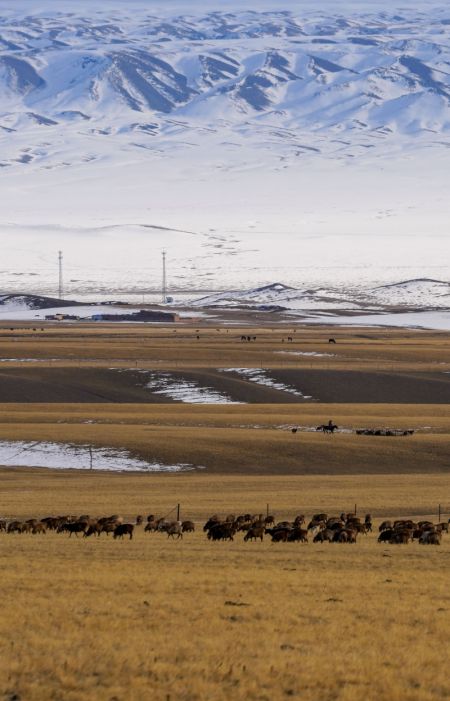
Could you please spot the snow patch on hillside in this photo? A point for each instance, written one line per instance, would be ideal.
(419, 293)
(263, 377)
(70, 456)
(185, 391)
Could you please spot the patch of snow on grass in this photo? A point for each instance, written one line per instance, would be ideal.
(78, 457)
(29, 360)
(313, 354)
(439, 320)
(186, 391)
(261, 377)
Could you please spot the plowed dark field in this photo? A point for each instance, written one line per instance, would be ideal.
(92, 385)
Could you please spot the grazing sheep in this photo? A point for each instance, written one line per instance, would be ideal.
(324, 535)
(94, 528)
(430, 538)
(254, 533)
(298, 535)
(175, 529)
(188, 526)
(123, 529)
(386, 535)
(75, 527)
(222, 531)
(279, 535)
(386, 525)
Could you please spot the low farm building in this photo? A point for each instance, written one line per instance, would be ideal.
(142, 315)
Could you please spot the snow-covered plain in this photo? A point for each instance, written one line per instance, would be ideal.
(184, 390)
(71, 456)
(303, 142)
(438, 320)
(263, 377)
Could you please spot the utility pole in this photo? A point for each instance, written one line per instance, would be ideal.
(164, 281)
(60, 267)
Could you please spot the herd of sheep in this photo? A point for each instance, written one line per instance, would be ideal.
(321, 528)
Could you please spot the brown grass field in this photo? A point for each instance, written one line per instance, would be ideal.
(193, 620)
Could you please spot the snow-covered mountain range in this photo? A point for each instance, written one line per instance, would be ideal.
(423, 294)
(348, 82)
(217, 128)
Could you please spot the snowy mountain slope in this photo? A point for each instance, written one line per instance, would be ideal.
(378, 75)
(414, 294)
(24, 302)
(285, 142)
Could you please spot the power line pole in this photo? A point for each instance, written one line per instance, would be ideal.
(164, 280)
(60, 267)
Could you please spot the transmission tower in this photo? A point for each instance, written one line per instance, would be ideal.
(164, 280)
(60, 268)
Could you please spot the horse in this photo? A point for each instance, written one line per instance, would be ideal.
(327, 428)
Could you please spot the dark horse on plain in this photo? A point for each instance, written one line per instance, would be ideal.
(330, 427)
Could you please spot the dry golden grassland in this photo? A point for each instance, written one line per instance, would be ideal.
(178, 346)
(86, 619)
(97, 620)
(252, 439)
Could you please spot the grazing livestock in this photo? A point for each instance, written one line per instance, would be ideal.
(75, 527)
(188, 526)
(94, 529)
(222, 531)
(331, 340)
(325, 535)
(299, 535)
(254, 533)
(430, 538)
(151, 526)
(123, 529)
(323, 528)
(211, 522)
(279, 535)
(384, 432)
(384, 526)
(175, 529)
